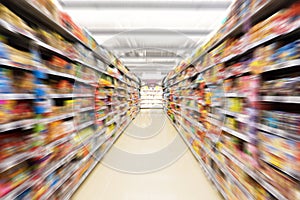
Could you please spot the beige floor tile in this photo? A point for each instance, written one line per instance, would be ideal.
(182, 180)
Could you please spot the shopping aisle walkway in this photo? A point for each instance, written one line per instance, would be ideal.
(148, 162)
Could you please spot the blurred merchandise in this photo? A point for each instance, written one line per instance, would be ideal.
(51, 71)
(235, 101)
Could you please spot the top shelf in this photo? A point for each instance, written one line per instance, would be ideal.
(30, 11)
(24, 8)
(261, 13)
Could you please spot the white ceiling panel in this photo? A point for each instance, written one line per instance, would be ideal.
(137, 30)
(165, 19)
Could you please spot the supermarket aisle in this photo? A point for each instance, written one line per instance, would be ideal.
(175, 174)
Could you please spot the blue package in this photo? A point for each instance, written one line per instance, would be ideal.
(5, 82)
(3, 51)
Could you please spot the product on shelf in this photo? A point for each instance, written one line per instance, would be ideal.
(245, 113)
(12, 110)
(281, 87)
(10, 18)
(52, 89)
(13, 177)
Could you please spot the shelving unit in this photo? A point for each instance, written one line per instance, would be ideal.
(235, 104)
(65, 102)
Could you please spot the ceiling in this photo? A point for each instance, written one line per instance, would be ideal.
(149, 36)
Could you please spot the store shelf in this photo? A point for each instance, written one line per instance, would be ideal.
(123, 104)
(68, 175)
(83, 178)
(113, 76)
(239, 67)
(237, 134)
(239, 117)
(6, 27)
(121, 96)
(56, 118)
(8, 63)
(208, 172)
(53, 50)
(86, 109)
(101, 132)
(73, 190)
(182, 80)
(260, 13)
(229, 175)
(16, 96)
(57, 142)
(213, 137)
(202, 102)
(63, 161)
(234, 95)
(191, 134)
(214, 104)
(214, 180)
(33, 181)
(190, 108)
(18, 190)
(190, 97)
(114, 113)
(88, 65)
(294, 174)
(61, 96)
(282, 99)
(35, 16)
(282, 65)
(47, 47)
(278, 132)
(85, 125)
(254, 175)
(14, 160)
(208, 68)
(102, 108)
(60, 74)
(24, 7)
(121, 88)
(69, 195)
(214, 116)
(255, 45)
(24, 124)
(123, 113)
(194, 122)
(102, 118)
(214, 121)
(58, 164)
(111, 103)
(239, 74)
(111, 122)
(35, 13)
(101, 97)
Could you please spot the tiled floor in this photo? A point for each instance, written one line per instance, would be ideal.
(148, 166)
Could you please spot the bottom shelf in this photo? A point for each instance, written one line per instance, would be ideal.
(205, 168)
(87, 173)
